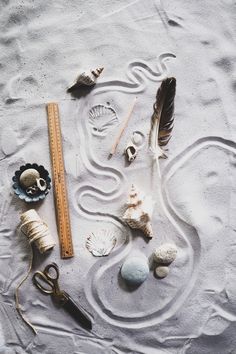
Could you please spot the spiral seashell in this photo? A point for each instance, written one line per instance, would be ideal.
(101, 119)
(87, 78)
(32, 190)
(101, 243)
(131, 151)
(139, 212)
(41, 184)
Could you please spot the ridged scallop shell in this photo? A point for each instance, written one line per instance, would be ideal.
(87, 78)
(101, 119)
(139, 212)
(101, 243)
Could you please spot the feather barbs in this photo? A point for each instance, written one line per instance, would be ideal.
(162, 118)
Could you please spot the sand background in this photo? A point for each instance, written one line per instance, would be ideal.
(43, 45)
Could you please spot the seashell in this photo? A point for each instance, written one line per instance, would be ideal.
(166, 253)
(32, 190)
(135, 270)
(139, 212)
(101, 243)
(131, 151)
(161, 271)
(101, 119)
(29, 177)
(87, 78)
(41, 184)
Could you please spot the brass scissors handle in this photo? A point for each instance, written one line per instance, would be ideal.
(47, 281)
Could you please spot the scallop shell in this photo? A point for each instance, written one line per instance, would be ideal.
(139, 212)
(101, 119)
(101, 243)
(87, 78)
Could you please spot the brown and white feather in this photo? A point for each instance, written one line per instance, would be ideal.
(162, 118)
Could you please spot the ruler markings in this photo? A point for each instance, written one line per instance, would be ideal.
(61, 201)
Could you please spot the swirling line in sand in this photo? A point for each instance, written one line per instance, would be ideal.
(159, 316)
(137, 72)
(95, 167)
(89, 160)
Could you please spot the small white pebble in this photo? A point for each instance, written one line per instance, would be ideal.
(161, 271)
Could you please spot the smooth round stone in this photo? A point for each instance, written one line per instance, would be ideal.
(161, 271)
(166, 253)
(135, 270)
(29, 177)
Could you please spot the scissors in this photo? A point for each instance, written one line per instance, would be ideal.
(47, 282)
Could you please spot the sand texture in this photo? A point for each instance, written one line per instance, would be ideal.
(43, 46)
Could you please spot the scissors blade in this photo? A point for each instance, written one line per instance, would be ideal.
(79, 314)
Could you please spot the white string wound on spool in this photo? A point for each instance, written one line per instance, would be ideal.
(36, 231)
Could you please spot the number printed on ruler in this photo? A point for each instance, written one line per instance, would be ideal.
(60, 191)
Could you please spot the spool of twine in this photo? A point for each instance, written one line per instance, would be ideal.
(36, 231)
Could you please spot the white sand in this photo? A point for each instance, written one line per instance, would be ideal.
(43, 45)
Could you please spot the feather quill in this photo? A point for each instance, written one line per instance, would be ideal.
(162, 118)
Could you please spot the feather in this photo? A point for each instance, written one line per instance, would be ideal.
(162, 118)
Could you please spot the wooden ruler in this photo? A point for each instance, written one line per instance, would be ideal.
(60, 191)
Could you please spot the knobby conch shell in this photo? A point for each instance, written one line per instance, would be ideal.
(87, 78)
(139, 212)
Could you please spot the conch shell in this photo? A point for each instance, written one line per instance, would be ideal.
(139, 212)
(87, 78)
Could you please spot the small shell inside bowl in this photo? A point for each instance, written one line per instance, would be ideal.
(25, 182)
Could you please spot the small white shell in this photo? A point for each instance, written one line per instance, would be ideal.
(131, 151)
(101, 243)
(161, 271)
(87, 78)
(41, 184)
(29, 177)
(166, 253)
(32, 190)
(101, 119)
(139, 212)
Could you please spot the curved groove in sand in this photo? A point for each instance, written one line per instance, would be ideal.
(139, 321)
(137, 82)
(137, 73)
(97, 169)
